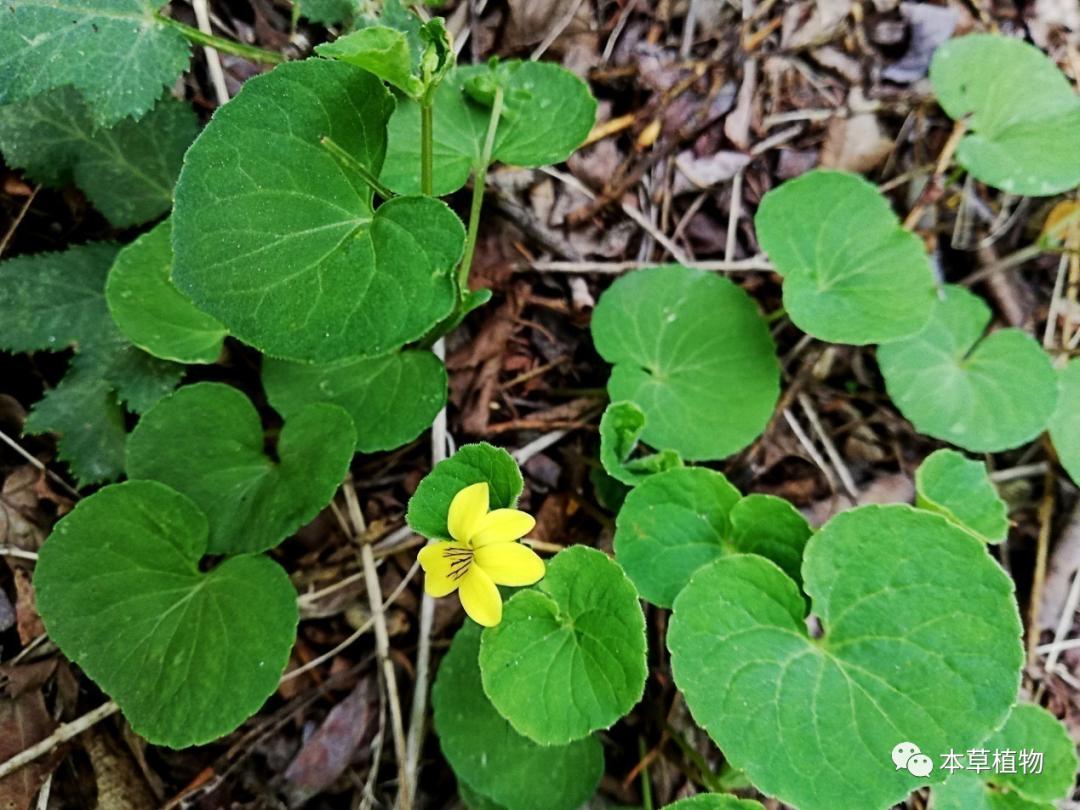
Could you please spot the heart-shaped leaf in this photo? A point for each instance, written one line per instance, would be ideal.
(188, 655)
(568, 657)
(547, 114)
(921, 642)
(1022, 113)
(690, 349)
(984, 394)
(276, 238)
(771, 528)
(206, 441)
(960, 489)
(493, 759)
(391, 399)
(471, 464)
(1065, 424)
(851, 273)
(151, 312)
(620, 428)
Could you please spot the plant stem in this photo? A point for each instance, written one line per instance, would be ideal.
(427, 140)
(348, 161)
(222, 44)
(479, 178)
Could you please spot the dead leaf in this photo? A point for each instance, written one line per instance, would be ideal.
(119, 784)
(1064, 564)
(929, 27)
(27, 618)
(698, 173)
(737, 123)
(24, 720)
(531, 20)
(7, 613)
(855, 143)
(820, 27)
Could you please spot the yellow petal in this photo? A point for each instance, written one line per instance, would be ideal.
(501, 526)
(480, 597)
(466, 510)
(510, 564)
(442, 566)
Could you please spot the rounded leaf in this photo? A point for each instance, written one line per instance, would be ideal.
(959, 488)
(920, 643)
(714, 801)
(187, 655)
(771, 528)
(568, 657)
(984, 394)
(852, 273)
(1065, 423)
(691, 350)
(620, 428)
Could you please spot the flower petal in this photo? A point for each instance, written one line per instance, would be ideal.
(466, 510)
(501, 526)
(510, 564)
(480, 597)
(438, 565)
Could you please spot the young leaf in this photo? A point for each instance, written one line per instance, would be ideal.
(331, 12)
(690, 349)
(471, 464)
(547, 114)
(921, 643)
(771, 528)
(1022, 113)
(568, 657)
(116, 53)
(959, 488)
(714, 801)
(670, 525)
(1065, 424)
(1029, 728)
(379, 50)
(620, 428)
(151, 312)
(188, 655)
(391, 399)
(851, 273)
(490, 757)
(127, 171)
(984, 394)
(206, 441)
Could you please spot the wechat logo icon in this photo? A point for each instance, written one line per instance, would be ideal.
(907, 756)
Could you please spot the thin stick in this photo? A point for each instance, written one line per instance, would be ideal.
(9, 551)
(808, 446)
(213, 61)
(733, 216)
(1046, 514)
(830, 448)
(523, 454)
(18, 219)
(754, 264)
(557, 29)
(944, 159)
(14, 445)
(689, 28)
(1063, 625)
(65, 732)
(1056, 304)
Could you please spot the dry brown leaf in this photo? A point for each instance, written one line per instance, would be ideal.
(24, 720)
(855, 143)
(120, 786)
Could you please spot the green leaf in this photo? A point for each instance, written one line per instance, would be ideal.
(669, 526)
(139, 379)
(490, 757)
(965, 791)
(116, 53)
(206, 441)
(188, 655)
(690, 349)
(1022, 113)
(771, 528)
(151, 312)
(276, 238)
(127, 171)
(921, 643)
(852, 273)
(548, 113)
(330, 12)
(379, 50)
(984, 394)
(391, 399)
(959, 488)
(714, 801)
(620, 428)
(471, 464)
(568, 657)
(1065, 423)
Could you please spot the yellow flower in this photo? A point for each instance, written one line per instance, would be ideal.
(481, 555)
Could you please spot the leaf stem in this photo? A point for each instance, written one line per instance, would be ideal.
(222, 44)
(477, 204)
(427, 142)
(349, 162)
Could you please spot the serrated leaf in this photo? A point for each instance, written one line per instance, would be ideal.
(139, 379)
(547, 115)
(471, 464)
(206, 442)
(330, 12)
(984, 394)
(391, 399)
(1065, 423)
(276, 238)
(568, 657)
(714, 801)
(127, 171)
(851, 273)
(690, 349)
(771, 528)
(151, 312)
(116, 53)
(490, 757)
(960, 489)
(921, 642)
(188, 655)
(1022, 113)
(620, 428)
(380, 50)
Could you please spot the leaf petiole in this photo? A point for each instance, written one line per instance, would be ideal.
(477, 204)
(351, 163)
(222, 44)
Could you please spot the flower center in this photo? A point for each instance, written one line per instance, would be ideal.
(460, 560)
